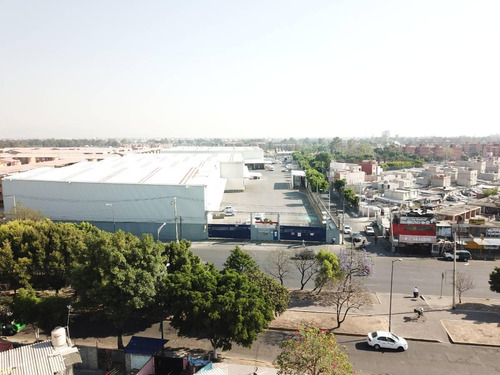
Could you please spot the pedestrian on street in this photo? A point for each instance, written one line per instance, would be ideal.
(333, 240)
(376, 239)
(415, 292)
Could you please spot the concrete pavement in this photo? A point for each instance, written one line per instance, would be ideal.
(475, 321)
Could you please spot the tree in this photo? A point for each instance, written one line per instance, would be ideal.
(328, 269)
(25, 306)
(278, 264)
(345, 295)
(116, 274)
(335, 145)
(488, 192)
(224, 307)
(463, 283)
(13, 271)
(276, 295)
(313, 352)
(495, 280)
(307, 268)
(339, 184)
(355, 263)
(19, 212)
(240, 261)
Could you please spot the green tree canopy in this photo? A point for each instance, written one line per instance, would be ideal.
(275, 294)
(117, 274)
(240, 261)
(224, 307)
(494, 280)
(38, 254)
(328, 269)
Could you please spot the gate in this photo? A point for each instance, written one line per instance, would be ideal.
(298, 233)
(229, 231)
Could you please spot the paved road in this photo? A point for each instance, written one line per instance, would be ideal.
(422, 272)
(421, 358)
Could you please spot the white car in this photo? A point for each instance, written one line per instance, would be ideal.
(229, 211)
(347, 229)
(259, 216)
(370, 231)
(386, 340)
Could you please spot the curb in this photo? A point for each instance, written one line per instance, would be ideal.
(283, 329)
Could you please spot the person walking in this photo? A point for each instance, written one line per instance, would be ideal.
(415, 292)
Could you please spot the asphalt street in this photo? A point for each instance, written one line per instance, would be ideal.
(426, 273)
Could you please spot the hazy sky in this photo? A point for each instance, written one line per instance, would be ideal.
(271, 69)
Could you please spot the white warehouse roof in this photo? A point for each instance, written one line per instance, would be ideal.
(154, 169)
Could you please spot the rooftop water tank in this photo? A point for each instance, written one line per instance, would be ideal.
(58, 337)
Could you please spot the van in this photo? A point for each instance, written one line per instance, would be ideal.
(462, 255)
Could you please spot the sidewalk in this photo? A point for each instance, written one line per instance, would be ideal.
(475, 321)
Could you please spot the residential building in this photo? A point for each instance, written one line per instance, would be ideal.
(441, 180)
(413, 232)
(466, 177)
(52, 357)
(370, 167)
(401, 194)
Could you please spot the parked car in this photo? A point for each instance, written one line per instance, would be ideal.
(462, 255)
(8, 326)
(229, 211)
(386, 340)
(259, 216)
(306, 254)
(347, 229)
(356, 237)
(370, 231)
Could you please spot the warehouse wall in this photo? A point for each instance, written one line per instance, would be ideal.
(135, 203)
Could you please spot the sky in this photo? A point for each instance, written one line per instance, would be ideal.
(248, 69)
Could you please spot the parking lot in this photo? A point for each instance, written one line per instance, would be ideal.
(270, 196)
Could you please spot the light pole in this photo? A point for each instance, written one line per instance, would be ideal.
(454, 305)
(390, 298)
(174, 203)
(159, 229)
(67, 323)
(114, 220)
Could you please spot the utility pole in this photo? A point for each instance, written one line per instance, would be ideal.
(390, 298)
(114, 220)
(174, 203)
(454, 270)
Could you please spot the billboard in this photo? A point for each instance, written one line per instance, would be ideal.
(407, 238)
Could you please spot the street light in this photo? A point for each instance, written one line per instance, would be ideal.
(112, 209)
(159, 229)
(390, 298)
(174, 203)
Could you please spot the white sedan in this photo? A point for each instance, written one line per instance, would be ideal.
(386, 340)
(370, 231)
(347, 229)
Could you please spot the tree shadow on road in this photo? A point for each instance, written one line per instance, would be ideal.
(479, 312)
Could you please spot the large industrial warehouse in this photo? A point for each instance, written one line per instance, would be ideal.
(137, 193)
